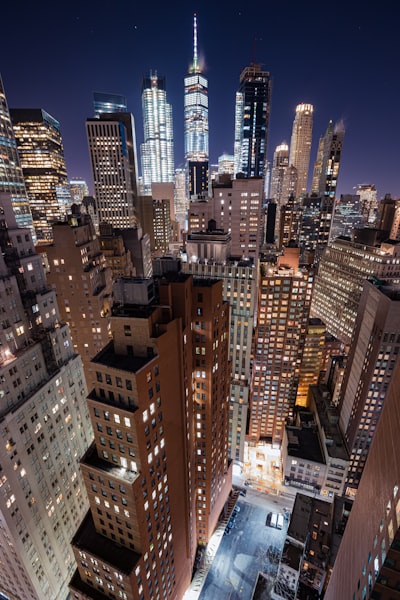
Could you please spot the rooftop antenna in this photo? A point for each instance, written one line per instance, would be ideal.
(195, 66)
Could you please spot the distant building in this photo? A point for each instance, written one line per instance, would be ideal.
(44, 425)
(347, 216)
(41, 153)
(196, 120)
(118, 257)
(252, 109)
(326, 168)
(78, 189)
(11, 176)
(155, 217)
(312, 360)
(369, 202)
(112, 149)
(280, 164)
(300, 146)
(157, 150)
(181, 201)
(108, 103)
(226, 164)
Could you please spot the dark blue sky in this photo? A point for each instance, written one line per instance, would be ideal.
(343, 57)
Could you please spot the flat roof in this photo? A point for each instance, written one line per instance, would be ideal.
(123, 362)
(92, 459)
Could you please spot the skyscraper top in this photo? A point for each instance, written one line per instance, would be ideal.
(195, 68)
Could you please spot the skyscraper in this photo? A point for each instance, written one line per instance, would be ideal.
(108, 103)
(112, 149)
(41, 153)
(326, 168)
(78, 189)
(44, 426)
(251, 121)
(11, 177)
(196, 115)
(279, 165)
(157, 474)
(300, 145)
(157, 150)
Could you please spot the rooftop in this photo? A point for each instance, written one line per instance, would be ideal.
(122, 362)
(92, 459)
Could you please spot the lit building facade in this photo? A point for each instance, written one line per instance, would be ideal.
(300, 145)
(347, 216)
(251, 121)
(78, 189)
(44, 425)
(284, 299)
(343, 267)
(112, 149)
(326, 169)
(279, 165)
(157, 474)
(196, 111)
(79, 273)
(11, 176)
(180, 198)
(312, 359)
(108, 103)
(369, 202)
(42, 160)
(157, 150)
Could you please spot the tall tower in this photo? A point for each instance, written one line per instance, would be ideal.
(11, 177)
(326, 168)
(300, 145)
(196, 122)
(112, 148)
(251, 121)
(279, 165)
(44, 426)
(157, 151)
(42, 159)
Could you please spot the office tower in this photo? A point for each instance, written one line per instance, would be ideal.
(155, 217)
(347, 216)
(280, 164)
(42, 160)
(343, 267)
(237, 208)
(208, 257)
(108, 103)
(312, 359)
(11, 176)
(44, 425)
(156, 484)
(284, 298)
(78, 189)
(251, 121)
(367, 561)
(315, 224)
(300, 145)
(196, 121)
(198, 178)
(369, 202)
(289, 223)
(326, 168)
(226, 164)
(181, 201)
(369, 369)
(157, 150)
(388, 217)
(78, 272)
(112, 149)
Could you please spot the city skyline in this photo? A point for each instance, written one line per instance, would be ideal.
(301, 71)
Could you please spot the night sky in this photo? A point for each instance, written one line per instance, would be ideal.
(343, 57)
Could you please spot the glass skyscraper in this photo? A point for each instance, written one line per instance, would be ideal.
(11, 176)
(157, 151)
(251, 121)
(196, 112)
(108, 103)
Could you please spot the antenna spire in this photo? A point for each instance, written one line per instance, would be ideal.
(195, 66)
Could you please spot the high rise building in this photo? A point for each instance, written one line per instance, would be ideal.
(326, 168)
(279, 165)
(42, 160)
(367, 563)
(226, 164)
(196, 117)
(78, 189)
(312, 359)
(155, 217)
(284, 299)
(118, 257)
(343, 267)
(112, 149)
(108, 103)
(157, 150)
(251, 121)
(369, 202)
(11, 176)
(181, 201)
(369, 369)
(347, 216)
(79, 272)
(289, 222)
(44, 425)
(315, 224)
(156, 483)
(300, 145)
